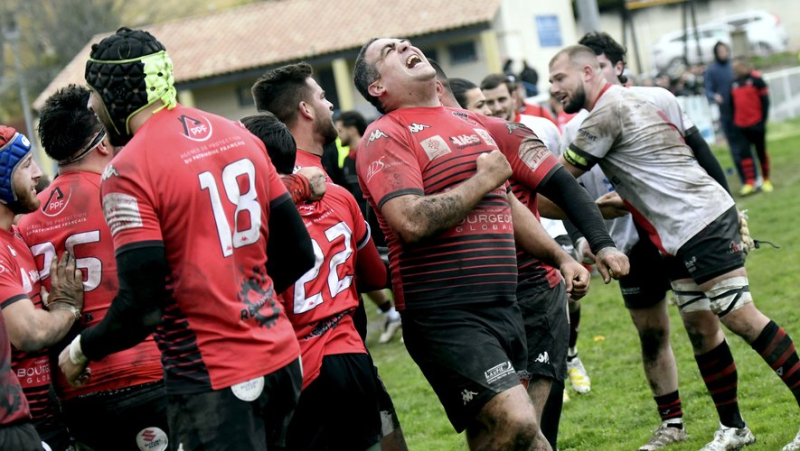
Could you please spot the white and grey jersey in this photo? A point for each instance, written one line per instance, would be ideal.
(643, 155)
(622, 230)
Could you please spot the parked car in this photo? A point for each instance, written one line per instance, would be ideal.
(668, 50)
(765, 33)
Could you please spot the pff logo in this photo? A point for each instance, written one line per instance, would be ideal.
(196, 129)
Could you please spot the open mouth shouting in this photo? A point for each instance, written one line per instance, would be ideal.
(413, 60)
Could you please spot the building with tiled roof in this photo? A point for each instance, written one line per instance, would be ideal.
(218, 56)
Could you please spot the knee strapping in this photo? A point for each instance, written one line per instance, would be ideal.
(689, 297)
(729, 295)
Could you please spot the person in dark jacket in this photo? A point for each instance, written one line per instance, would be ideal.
(718, 80)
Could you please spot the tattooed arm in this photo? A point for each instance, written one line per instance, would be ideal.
(414, 217)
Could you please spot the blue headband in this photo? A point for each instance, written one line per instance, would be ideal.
(10, 156)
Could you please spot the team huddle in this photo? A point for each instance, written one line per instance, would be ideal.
(190, 282)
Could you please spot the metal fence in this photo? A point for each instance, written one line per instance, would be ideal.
(784, 88)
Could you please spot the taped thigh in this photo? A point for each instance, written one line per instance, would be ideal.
(729, 295)
(690, 298)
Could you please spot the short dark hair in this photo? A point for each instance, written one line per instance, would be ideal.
(65, 122)
(353, 119)
(603, 44)
(440, 75)
(365, 74)
(575, 53)
(280, 143)
(460, 86)
(492, 81)
(280, 90)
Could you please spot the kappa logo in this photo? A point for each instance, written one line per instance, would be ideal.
(196, 129)
(374, 168)
(465, 140)
(467, 396)
(55, 203)
(416, 128)
(376, 135)
(435, 147)
(543, 358)
(485, 136)
(498, 372)
(108, 172)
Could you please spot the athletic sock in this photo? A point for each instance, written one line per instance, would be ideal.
(719, 373)
(669, 408)
(574, 325)
(749, 170)
(777, 349)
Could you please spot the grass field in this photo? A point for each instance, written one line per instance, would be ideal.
(619, 413)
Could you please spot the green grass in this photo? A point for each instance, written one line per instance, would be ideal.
(620, 413)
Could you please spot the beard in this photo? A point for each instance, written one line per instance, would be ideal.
(325, 127)
(26, 202)
(577, 101)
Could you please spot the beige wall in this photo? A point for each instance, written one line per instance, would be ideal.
(222, 100)
(519, 38)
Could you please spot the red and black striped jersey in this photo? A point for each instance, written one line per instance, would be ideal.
(425, 151)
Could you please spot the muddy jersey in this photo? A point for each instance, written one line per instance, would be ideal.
(426, 151)
(71, 217)
(645, 159)
(19, 279)
(622, 230)
(202, 187)
(321, 303)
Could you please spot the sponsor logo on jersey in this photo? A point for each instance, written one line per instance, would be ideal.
(485, 136)
(435, 147)
(463, 116)
(586, 135)
(498, 372)
(121, 212)
(467, 396)
(416, 128)
(152, 439)
(374, 168)
(464, 141)
(376, 135)
(533, 153)
(56, 203)
(108, 172)
(196, 129)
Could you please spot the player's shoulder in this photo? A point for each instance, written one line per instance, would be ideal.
(341, 196)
